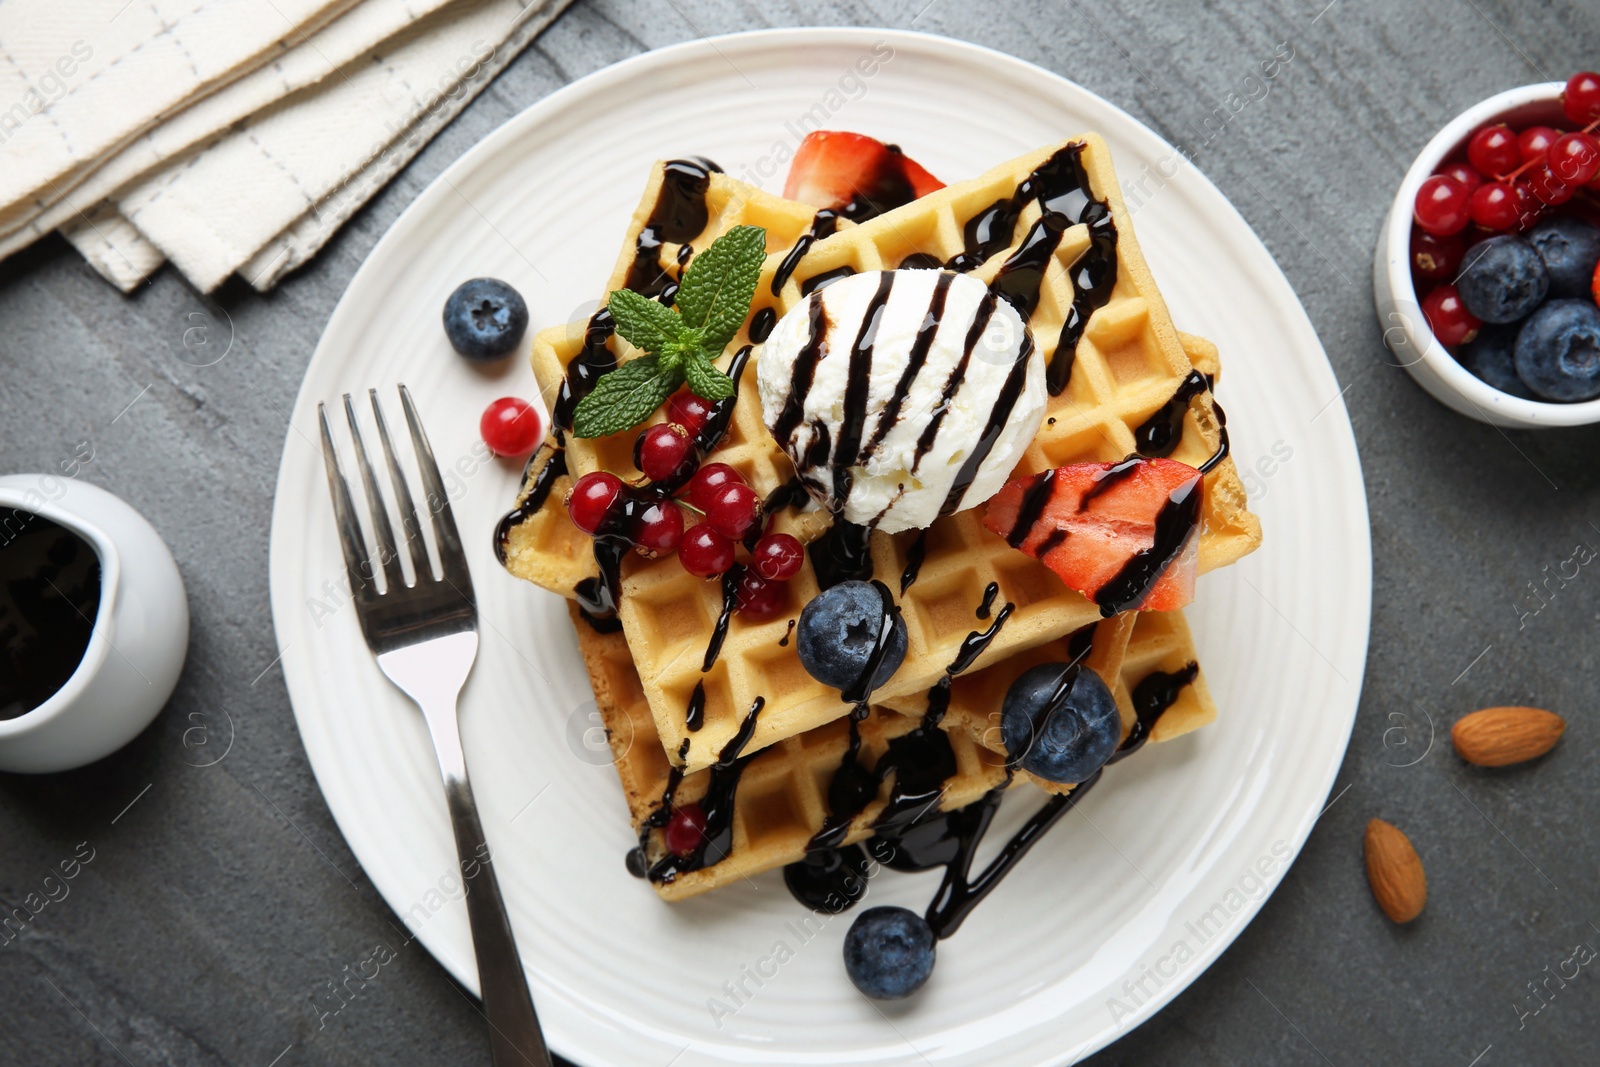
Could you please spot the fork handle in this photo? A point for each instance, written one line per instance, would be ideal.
(514, 1034)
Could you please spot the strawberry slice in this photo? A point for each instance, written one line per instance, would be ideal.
(1123, 534)
(854, 174)
(1595, 285)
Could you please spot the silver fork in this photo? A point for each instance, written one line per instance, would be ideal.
(425, 638)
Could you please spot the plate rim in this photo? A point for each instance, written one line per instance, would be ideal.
(685, 55)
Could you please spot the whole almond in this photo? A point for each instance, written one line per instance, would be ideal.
(1497, 737)
(1395, 872)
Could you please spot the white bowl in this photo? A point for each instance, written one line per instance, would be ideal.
(140, 637)
(1406, 329)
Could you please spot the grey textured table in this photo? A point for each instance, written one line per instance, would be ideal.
(219, 906)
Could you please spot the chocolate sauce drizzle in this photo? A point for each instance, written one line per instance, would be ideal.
(1151, 698)
(990, 591)
(827, 277)
(823, 224)
(1159, 435)
(761, 324)
(914, 557)
(679, 214)
(554, 467)
(716, 804)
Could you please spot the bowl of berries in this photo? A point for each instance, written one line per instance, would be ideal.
(1486, 272)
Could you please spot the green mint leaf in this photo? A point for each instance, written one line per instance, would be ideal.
(625, 397)
(706, 380)
(717, 288)
(642, 322)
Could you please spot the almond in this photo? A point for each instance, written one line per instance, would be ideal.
(1395, 872)
(1496, 737)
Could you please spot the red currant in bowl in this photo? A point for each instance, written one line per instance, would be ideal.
(1580, 98)
(1443, 206)
(1494, 207)
(1436, 258)
(1493, 150)
(1448, 317)
(510, 427)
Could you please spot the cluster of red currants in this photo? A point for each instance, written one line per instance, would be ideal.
(1509, 179)
(651, 519)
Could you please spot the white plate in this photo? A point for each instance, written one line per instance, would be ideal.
(1082, 941)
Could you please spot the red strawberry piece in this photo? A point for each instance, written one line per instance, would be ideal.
(856, 175)
(1595, 286)
(1123, 534)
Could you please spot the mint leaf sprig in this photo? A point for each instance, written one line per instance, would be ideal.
(680, 342)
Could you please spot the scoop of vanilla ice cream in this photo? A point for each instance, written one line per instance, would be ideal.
(902, 395)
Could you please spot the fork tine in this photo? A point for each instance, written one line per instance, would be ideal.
(382, 532)
(452, 556)
(344, 514)
(402, 495)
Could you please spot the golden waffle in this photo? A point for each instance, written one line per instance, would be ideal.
(1154, 641)
(1129, 364)
(781, 798)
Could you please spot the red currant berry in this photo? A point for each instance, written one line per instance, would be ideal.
(1581, 98)
(591, 500)
(1448, 317)
(689, 410)
(1493, 150)
(1463, 173)
(510, 427)
(778, 557)
(1443, 206)
(685, 829)
(1528, 206)
(707, 480)
(759, 599)
(663, 452)
(658, 528)
(705, 553)
(1435, 258)
(1575, 158)
(1550, 190)
(732, 509)
(1535, 141)
(1494, 206)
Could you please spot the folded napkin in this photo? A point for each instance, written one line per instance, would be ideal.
(253, 169)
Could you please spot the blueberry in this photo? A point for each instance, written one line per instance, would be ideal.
(838, 632)
(888, 952)
(1558, 351)
(1077, 738)
(1491, 356)
(1502, 279)
(1570, 249)
(485, 319)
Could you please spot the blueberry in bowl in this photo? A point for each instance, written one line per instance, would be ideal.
(1492, 357)
(1558, 351)
(838, 634)
(1060, 722)
(485, 319)
(1503, 279)
(1570, 248)
(889, 952)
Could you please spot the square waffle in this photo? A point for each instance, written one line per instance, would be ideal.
(1129, 365)
(780, 802)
